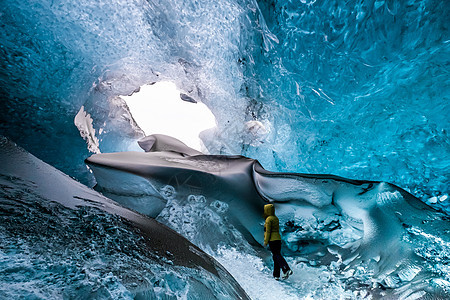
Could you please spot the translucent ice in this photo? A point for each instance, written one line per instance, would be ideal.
(60, 239)
(354, 89)
(370, 232)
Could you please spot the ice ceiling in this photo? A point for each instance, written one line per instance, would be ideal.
(358, 89)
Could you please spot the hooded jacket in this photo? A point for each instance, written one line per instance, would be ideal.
(272, 225)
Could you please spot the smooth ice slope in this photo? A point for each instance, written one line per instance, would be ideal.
(376, 237)
(60, 239)
(358, 88)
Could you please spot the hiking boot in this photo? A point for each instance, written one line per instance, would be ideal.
(277, 278)
(287, 274)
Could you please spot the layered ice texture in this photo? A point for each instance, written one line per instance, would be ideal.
(364, 236)
(358, 89)
(60, 239)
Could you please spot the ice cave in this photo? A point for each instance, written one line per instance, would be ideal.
(141, 139)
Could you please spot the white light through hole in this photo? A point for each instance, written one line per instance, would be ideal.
(158, 109)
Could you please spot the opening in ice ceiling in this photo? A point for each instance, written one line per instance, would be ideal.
(161, 109)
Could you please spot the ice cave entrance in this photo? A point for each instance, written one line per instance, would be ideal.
(159, 109)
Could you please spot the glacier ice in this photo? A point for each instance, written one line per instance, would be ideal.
(361, 87)
(83, 121)
(59, 56)
(358, 89)
(60, 239)
(373, 233)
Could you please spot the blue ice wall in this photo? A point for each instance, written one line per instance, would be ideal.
(358, 88)
(51, 59)
(57, 56)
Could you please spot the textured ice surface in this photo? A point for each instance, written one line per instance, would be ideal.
(363, 236)
(59, 239)
(58, 56)
(357, 89)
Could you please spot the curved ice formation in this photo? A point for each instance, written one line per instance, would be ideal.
(354, 88)
(60, 239)
(379, 236)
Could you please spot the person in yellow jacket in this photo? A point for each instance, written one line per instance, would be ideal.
(273, 238)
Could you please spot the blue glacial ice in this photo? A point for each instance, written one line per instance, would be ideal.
(358, 89)
(60, 239)
(378, 238)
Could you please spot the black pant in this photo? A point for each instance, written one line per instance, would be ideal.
(278, 259)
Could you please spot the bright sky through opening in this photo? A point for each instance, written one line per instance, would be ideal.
(158, 108)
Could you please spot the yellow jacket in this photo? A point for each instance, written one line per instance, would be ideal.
(272, 225)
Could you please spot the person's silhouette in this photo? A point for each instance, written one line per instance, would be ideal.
(273, 238)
